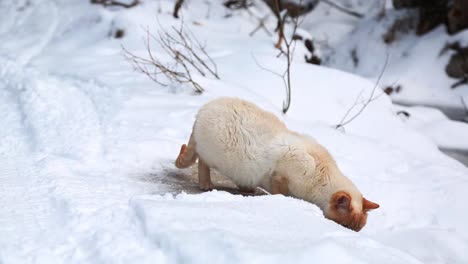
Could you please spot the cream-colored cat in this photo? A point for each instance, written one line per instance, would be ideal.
(254, 148)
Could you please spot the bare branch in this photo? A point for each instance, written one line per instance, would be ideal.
(282, 76)
(464, 105)
(342, 9)
(288, 52)
(189, 40)
(261, 24)
(186, 52)
(106, 3)
(345, 120)
(280, 24)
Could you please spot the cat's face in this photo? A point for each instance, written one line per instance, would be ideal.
(347, 212)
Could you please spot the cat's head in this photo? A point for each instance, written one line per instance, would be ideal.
(349, 210)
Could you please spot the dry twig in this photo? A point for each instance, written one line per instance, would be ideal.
(261, 25)
(186, 52)
(288, 52)
(295, 9)
(343, 9)
(345, 120)
(465, 107)
(106, 3)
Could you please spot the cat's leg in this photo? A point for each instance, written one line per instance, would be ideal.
(204, 178)
(279, 185)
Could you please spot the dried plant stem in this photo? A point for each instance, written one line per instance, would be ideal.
(115, 3)
(343, 9)
(345, 120)
(186, 52)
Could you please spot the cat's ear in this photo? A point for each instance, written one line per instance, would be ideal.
(341, 201)
(368, 205)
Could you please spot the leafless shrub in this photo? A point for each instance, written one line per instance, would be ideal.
(290, 12)
(106, 3)
(245, 5)
(187, 55)
(286, 50)
(283, 11)
(294, 9)
(362, 104)
(261, 24)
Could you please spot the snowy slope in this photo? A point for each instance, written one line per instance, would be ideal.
(415, 63)
(87, 149)
(435, 125)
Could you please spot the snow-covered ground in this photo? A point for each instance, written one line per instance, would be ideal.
(87, 149)
(414, 63)
(435, 125)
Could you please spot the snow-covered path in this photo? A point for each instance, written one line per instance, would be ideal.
(87, 146)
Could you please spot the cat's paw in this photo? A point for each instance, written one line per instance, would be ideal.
(206, 186)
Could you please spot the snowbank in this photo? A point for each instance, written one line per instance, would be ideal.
(415, 63)
(225, 228)
(435, 125)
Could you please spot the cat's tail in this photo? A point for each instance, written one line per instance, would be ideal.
(187, 155)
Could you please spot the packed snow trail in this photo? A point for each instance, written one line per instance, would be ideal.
(87, 148)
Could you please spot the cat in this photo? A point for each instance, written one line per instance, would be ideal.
(254, 148)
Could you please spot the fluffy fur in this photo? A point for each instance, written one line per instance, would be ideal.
(254, 148)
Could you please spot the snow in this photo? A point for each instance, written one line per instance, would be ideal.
(218, 227)
(88, 145)
(435, 125)
(415, 63)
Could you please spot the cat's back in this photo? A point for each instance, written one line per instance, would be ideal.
(237, 117)
(234, 135)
